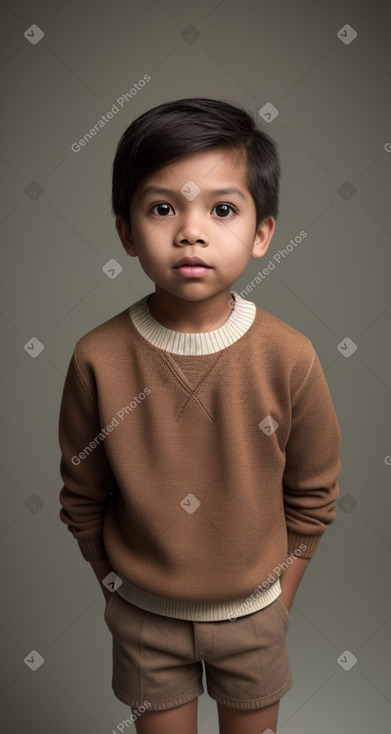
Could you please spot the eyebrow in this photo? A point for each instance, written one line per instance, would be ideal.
(220, 192)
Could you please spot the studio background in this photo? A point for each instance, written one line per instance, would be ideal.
(324, 96)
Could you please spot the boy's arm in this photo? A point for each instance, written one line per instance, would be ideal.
(310, 475)
(87, 476)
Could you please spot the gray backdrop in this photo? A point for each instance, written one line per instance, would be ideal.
(331, 92)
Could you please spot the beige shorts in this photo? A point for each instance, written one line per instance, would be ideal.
(158, 659)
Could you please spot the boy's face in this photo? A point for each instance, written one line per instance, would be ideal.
(191, 220)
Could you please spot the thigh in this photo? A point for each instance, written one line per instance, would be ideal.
(182, 719)
(236, 721)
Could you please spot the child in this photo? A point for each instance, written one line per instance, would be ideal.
(200, 446)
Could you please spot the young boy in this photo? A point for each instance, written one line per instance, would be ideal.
(200, 446)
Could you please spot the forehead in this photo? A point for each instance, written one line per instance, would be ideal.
(207, 169)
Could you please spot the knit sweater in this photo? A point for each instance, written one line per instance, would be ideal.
(198, 463)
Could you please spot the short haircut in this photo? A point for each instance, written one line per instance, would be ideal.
(174, 129)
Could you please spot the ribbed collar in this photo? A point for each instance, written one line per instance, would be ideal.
(205, 342)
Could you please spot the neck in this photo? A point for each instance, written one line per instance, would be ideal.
(191, 317)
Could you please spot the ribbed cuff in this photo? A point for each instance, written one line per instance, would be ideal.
(93, 550)
(296, 543)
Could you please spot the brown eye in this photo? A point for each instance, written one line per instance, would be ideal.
(225, 209)
(163, 208)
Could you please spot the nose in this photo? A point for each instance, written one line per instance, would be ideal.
(191, 231)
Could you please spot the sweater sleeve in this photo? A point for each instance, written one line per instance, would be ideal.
(84, 468)
(312, 463)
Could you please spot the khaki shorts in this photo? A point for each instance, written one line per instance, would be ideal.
(158, 659)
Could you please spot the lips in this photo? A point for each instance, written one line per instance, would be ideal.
(191, 261)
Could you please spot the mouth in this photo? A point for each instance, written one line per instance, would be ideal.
(192, 267)
(191, 262)
(192, 271)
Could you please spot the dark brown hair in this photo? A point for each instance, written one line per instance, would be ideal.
(174, 129)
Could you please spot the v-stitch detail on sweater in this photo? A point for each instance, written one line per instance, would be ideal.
(192, 391)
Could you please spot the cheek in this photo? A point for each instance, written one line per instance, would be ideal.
(239, 245)
(150, 251)
(143, 233)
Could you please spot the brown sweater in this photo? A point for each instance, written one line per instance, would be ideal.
(197, 462)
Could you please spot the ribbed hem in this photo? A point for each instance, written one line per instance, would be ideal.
(296, 542)
(200, 611)
(93, 550)
(204, 342)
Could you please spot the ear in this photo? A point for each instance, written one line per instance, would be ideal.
(263, 237)
(125, 234)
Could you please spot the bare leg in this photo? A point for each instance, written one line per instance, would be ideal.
(236, 721)
(182, 719)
